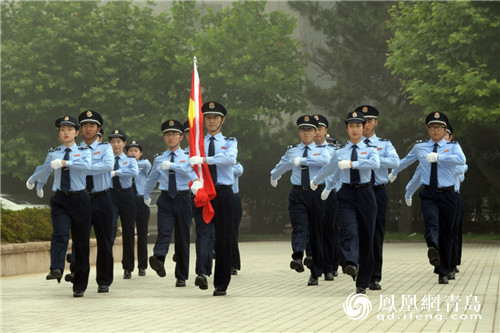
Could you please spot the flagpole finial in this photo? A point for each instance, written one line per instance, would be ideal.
(195, 61)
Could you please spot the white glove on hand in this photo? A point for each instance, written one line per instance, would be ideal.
(196, 160)
(432, 157)
(325, 194)
(344, 164)
(313, 186)
(408, 202)
(195, 187)
(296, 161)
(392, 177)
(39, 193)
(113, 173)
(29, 185)
(56, 164)
(147, 202)
(165, 165)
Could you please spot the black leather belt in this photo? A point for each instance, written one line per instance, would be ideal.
(358, 185)
(300, 187)
(178, 192)
(93, 195)
(121, 189)
(442, 189)
(378, 187)
(70, 192)
(221, 187)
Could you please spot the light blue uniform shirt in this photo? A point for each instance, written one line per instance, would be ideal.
(389, 158)
(128, 169)
(450, 156)
(103, 161)
(140, 179)
(317, 157)
(79, 164)
(414, 183)
(184, 173)
(226, 153)
(237, 171)
(368, 160)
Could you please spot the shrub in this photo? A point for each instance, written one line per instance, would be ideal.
(27, 225)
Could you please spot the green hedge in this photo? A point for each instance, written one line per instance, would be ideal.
(27, 225)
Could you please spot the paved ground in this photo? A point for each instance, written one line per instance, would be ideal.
(266, 296)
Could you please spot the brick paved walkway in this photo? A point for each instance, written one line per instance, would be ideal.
(266, 296)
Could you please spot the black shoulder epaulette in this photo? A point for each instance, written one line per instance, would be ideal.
(369, 145)
(231, 138)
(158, 154)
(186, 152)
(54, 149)
(291, 146)
(83, 148)
(421, 141)
(103, 143)
(384, 139)
(452, 142)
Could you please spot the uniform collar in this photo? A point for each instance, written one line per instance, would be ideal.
(217, 136)
(302, 145)
(176, 152)
(373, 138)
(73, 147)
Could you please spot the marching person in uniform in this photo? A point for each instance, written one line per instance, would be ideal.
(98, 183)
(135, 150)
(221, 154)
(174, 173)
(123, 198)
(438, 161)
(70, 205)
(388, 159)
(305, 207)
(357, 204)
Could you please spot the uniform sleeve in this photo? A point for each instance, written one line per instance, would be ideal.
(152, 179)
(145, 165)
(104, 164)
(82, 162)
(285, 164)
(372, 161)
(131, 170)
(406, 161)
(42, 173)
(327, 170)
(227, 156)
(457, 156)
(317, 160)
(238, 170)
(390, 159)
(413, 184)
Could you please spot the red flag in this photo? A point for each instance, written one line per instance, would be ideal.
(197, 148)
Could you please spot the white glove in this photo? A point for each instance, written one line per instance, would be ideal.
(432, 157)
(408, 202)
(39, 193)
(196, 186)
(56, 164)
(344, 164)
(165, 165)
(147, 202)
(313, 186)
(113, 173)
(325, 194)
(29, 185)
(196, 160)
(392, 177)
(296, 161)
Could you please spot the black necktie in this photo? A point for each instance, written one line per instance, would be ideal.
(212, 167)
(65, 182)
(134, 188)
(372, 180)
(116, 179)
(172, 185)
(304, 175)
(433, 183)
(89, 180)
(355, 179)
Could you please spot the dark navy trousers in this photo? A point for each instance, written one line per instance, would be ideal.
(124, 205)
(174, 213)
(456, 257)
(238, 212)
(357, 212)
(102, 220)
(141, 224)
(379, 234)
(71, 212)
(331, 238)
(205, 238)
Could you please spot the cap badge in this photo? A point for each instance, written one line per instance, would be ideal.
(66, 118)
(133, 142)
(116, 131)
(306, 118)
(436, 115)
(89, 114)
(354, 114)
(316, 117)
(171, 123)
(211, 105)
(365, 109)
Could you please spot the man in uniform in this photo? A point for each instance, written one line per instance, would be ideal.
(438, 161)
(388, 159)
(305, 207)
(221, 154)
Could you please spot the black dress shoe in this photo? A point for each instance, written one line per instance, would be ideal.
(451, 275)
(313, 281)
(308, 261)
(78, 294)
(54, 274)
(374, 285)
(127, 274)
(234, 271)
(219, 292)
(443, 279)
(352, 271)
(457, 270)
(180, 283)
(102, 289)
(335, 273)
(157, 265)
(68, 258)
(360, 290)
(70, 277)
(142, 272)
(201, 282)
(297, 265)
(329, 276)
(433, 256)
